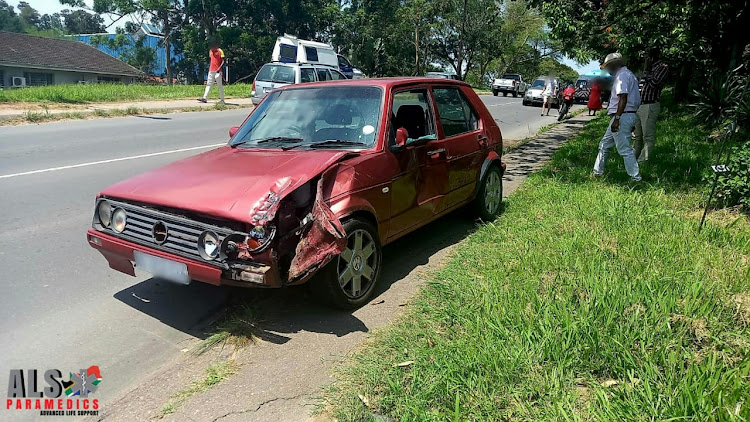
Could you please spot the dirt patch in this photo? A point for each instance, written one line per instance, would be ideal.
(741, 302)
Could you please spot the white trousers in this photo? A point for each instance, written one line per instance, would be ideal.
(214, 78)
(620, 140)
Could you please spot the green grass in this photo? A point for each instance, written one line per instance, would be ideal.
(587, 300)
(96, 93)
(215, 374)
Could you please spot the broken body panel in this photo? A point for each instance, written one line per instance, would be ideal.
(304, 195)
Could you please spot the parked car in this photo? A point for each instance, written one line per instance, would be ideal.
(442, 75)
(276, 75)
(290, 49)
(509, 83)
(312, 185)
(534, 93)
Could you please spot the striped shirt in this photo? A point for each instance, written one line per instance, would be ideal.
(652, 83)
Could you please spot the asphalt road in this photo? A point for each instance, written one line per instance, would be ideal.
(61, 307)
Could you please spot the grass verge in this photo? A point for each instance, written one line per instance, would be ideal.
(588, 299)
(98, 93)
(46, 116)
(215, 374)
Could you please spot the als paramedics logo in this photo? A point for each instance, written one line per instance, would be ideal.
(23, 393)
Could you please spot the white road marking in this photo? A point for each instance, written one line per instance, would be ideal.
(113, 160)
(504, 104)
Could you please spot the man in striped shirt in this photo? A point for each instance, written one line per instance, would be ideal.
(651, 85)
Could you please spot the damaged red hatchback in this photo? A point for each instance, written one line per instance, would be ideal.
(316, 180)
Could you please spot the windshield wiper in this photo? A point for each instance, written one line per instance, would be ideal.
(336, 143)
(281, 139)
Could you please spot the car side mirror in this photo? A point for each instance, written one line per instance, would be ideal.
(401, 137)
(233, 130)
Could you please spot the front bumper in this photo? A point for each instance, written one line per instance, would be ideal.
(119, 255)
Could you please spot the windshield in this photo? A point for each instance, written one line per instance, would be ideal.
(300, 118)
(276, 73)
(514, 77)
(539, 83)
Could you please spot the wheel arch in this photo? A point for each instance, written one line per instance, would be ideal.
(493, 159)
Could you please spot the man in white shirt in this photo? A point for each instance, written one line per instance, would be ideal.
(549, 91)
(623, 104)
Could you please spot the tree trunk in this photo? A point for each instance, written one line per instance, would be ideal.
(167, 50)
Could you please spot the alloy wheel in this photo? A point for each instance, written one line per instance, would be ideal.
(357, 265)
(493, 192)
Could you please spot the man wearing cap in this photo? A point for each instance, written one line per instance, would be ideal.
(623, 104)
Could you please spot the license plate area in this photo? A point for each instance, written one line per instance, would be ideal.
(162, 268)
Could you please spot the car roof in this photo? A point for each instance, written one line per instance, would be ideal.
(300, 64)
(380, 82)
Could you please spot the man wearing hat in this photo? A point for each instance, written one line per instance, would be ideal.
(623, 104)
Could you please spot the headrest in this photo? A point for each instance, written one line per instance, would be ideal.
(339, 115)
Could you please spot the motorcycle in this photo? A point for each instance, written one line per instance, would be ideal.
(568, 97)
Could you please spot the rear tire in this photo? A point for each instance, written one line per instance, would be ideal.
(489, 200)
(349, 280)
(515, 94)
(505, 94)
(494, 92)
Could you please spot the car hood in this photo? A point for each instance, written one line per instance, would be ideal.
(534, 91)
(225, 182)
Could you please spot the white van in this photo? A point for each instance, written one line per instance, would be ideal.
(290, 49)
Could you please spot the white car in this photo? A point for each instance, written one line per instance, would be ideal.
(276, 75)
(534, 93)
(509, 83)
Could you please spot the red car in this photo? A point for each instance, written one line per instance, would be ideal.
(316, 180)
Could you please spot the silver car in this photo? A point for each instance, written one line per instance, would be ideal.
(275, 75)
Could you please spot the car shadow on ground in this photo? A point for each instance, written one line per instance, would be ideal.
(200, 309)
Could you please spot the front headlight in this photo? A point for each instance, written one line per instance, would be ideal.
(119, 219)
(260, 237)
(104, 213)
(208, 245)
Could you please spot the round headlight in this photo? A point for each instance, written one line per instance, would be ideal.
(119, 219)
(208, 245)
(260, 237)
(104, 213)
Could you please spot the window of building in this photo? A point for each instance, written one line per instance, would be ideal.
(107, 79)
(2, 79)
(37, 78)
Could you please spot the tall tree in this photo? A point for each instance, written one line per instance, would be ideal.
(9, 20)
(82, 22)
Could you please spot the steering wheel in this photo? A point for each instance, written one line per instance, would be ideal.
(293, 131)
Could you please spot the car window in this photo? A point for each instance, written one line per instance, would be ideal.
(457, 116)
(539, 83)
(514, 77)
(288, 53)
(411, 111)
(336, 75)
(307, 74)
(312, 54)
(323, 75)
(313, 114)
(276, 73)
(343, 62)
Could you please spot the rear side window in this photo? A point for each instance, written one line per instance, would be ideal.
(288, 53)
(336, 75)
(312, 54)
(307, 74)
(457, 116)
(276, 73)
(323, 75)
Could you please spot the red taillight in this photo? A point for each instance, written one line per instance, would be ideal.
(253, 87)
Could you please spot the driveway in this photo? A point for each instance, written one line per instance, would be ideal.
(63, 308)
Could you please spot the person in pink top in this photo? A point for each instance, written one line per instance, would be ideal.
(214, 72)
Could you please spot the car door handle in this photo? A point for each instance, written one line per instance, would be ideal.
(436, 151)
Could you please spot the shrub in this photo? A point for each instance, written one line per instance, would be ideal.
(733, 188)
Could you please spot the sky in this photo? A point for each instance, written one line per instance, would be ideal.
(53, 6)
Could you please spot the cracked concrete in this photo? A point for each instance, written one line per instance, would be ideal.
(280, 378)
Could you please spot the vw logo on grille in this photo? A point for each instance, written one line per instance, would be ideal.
(159, 232)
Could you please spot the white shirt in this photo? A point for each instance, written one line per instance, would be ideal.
(549, 89)
(625, 83)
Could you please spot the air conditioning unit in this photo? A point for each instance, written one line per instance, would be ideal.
(19, 82)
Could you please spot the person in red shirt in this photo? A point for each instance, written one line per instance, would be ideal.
(214, 72)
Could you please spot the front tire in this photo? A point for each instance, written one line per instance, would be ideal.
(505, 94)
(349, 280)
(488, 203)
(515, 94)
(494, 92)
